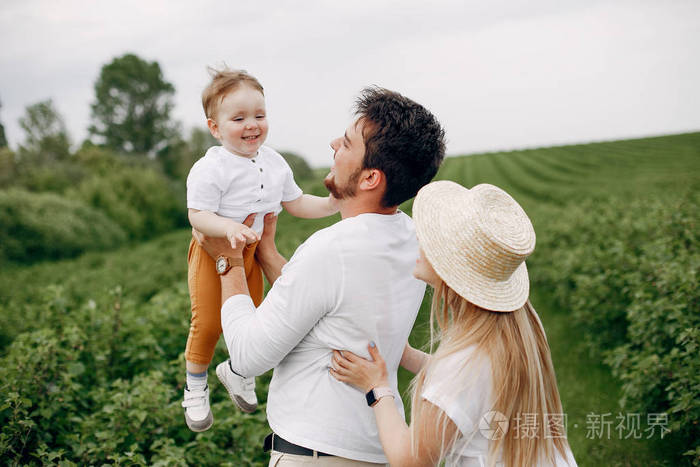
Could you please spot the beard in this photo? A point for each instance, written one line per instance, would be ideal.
(345, 191)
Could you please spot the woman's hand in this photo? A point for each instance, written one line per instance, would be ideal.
(359, 372)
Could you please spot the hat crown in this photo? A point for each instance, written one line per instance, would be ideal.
(497, 235)
(476, 241)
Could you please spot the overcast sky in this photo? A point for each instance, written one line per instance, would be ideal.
(499, 74)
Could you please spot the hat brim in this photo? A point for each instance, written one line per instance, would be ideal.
(438, 209)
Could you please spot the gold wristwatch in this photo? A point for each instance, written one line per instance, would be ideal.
(224, 264)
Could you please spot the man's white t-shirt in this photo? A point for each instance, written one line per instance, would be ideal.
(234, 186)
(460, 385)
(347, 285)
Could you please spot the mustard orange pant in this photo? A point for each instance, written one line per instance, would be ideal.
(205, 296)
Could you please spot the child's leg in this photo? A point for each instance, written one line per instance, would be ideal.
(205, 329)
(205, 295)
(253, 274)
(241, 389)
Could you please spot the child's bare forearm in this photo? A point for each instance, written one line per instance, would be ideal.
(209, 223)
(311, 207)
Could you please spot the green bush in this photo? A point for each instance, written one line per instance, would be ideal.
(142, 201)
(628, 274)
(101, 383)
(41, 391)
(55, 177)
(40, 226)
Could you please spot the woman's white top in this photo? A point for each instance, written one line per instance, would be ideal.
(460, 385)
(235, 186)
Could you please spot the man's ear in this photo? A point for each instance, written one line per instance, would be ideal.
(213, 128)
(372, 179)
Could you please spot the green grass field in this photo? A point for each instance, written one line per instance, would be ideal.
(130, 310)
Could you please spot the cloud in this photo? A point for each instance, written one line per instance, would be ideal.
(500, 74)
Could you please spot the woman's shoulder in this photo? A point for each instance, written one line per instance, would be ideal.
(459, 376)
(461, 362)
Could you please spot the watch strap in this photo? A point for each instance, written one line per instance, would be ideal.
(230, 263)
(373, 395)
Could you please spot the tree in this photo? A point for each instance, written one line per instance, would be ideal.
(131, 112)
(7, 167)
(46, 138)
(3, 139)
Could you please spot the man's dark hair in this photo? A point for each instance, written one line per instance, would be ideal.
(402, 139)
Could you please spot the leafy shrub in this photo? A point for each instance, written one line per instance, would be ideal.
(143, 202)
(90, 279)
(40, 390)
(102, 384)
(46, 226)
(55, 177)
(633, 288)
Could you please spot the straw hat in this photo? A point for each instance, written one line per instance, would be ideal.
(477, 241)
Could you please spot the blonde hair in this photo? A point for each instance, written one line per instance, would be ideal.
(222, 82)
(522, 374)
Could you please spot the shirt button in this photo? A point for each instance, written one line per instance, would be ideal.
(261, 169)
(261, 185)
(253, 161)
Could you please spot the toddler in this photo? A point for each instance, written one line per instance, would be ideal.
(231, 181)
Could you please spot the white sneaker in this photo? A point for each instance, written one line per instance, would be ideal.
(241, 390)
(197, 411)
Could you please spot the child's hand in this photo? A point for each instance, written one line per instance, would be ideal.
(359, 372)
(242, 233)
(333, 203)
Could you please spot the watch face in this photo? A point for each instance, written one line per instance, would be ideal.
(371, 400)
(221, 265)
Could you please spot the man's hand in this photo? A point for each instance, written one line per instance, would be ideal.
(267, 240)
(266, 253)
(219, 246)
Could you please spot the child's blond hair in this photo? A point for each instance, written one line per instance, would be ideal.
(224, 81)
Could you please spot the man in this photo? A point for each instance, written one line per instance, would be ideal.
(348, 284)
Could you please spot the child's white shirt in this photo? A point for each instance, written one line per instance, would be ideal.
(233, 186)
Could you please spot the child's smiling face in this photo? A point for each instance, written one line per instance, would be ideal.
(240, 122)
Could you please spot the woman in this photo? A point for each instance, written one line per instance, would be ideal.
(488, 394)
